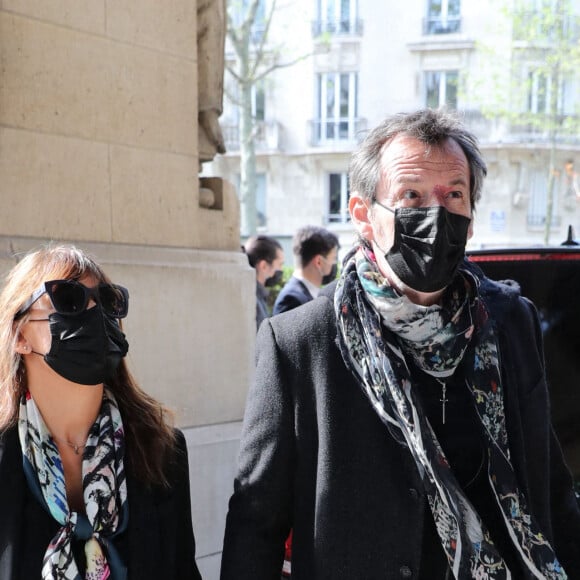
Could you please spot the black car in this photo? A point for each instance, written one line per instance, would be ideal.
(550, 277)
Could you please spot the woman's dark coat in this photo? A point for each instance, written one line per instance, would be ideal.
(159, 541)
(315, 456)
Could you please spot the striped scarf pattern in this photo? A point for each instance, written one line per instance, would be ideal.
(104, 492)
(378, 331)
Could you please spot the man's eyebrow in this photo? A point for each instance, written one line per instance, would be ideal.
(459, 181)
(408, 178)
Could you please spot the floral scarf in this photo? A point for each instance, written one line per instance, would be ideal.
(379, 331)
(104, 492)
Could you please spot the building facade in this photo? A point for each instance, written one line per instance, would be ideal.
(369, 59)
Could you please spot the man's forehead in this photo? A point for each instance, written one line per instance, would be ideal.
(405, 152)
(407, 145)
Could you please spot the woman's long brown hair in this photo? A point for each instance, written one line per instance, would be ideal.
(149, 436)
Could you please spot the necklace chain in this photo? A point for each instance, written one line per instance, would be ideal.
(444, 400)
(76, 447)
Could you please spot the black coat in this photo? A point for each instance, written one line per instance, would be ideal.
(315, 456)
(295, 293)
(158, 542)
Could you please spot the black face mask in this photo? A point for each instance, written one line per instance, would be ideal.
(275, 279)
(328, 278)
(86, 348)
(429, 245)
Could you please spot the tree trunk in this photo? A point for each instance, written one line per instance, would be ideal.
(550, 192)
(249, 222)
(553, 132)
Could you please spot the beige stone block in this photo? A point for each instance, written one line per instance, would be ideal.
(191, 332)
(168, 26)
(191, 325)
(153, 101)
(53, 186)
(153, 197)
(62, 81)
(221, 227)
(88, 15)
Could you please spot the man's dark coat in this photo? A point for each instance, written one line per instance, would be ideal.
(295, 293)
(315, 456)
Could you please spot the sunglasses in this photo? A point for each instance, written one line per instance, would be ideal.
(72, 297)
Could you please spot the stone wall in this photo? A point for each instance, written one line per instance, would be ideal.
(99, 146)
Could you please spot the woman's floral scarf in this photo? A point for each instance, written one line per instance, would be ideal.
(104, 492)
(378, 331)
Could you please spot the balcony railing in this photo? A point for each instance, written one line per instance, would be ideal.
(489, 130)
(341, 217)
(539, 220)
(346, 27)
(267, 136)
(535, 25)
(438, 25)
(343, 129)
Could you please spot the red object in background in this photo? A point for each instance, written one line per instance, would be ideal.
(287, 566)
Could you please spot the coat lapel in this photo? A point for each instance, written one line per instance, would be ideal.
(12, 501)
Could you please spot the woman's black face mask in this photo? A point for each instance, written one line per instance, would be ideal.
(428, 247)
(86, 348)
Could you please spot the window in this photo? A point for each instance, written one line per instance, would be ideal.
(259, 101)
(262, 220)
(441, 89)
(337, 107)
(443, 16)
(240, 11)
(258, 97)
(337, 17)
(540, 94)
(537, 206)
(261, 200)
(338, 194)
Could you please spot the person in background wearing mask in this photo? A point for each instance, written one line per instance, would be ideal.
(400, 422)
(266, 256)
(315, 254)
(94, 483)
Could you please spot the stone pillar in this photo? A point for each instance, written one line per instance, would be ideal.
(99, 146)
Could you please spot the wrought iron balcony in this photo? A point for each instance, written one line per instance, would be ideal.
(337, 130)
(534, 27)
(501, 130)
(343, 27)
(537, 220)
(438, 25)
(267, 136)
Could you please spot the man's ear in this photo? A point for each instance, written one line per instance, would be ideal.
(360, 209)
(261, 265)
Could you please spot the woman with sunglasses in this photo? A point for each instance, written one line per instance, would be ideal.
(94, 483)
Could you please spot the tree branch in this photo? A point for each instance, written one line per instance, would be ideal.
(278, 65)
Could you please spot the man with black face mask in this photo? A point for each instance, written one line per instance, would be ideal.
(315, 254)
(266, 256)
(400, 422)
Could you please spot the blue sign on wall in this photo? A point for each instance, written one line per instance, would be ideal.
(497, 221)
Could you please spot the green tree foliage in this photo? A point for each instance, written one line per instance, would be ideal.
(526, 73)
(256, 57)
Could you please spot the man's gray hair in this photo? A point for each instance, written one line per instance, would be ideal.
(430, 126)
